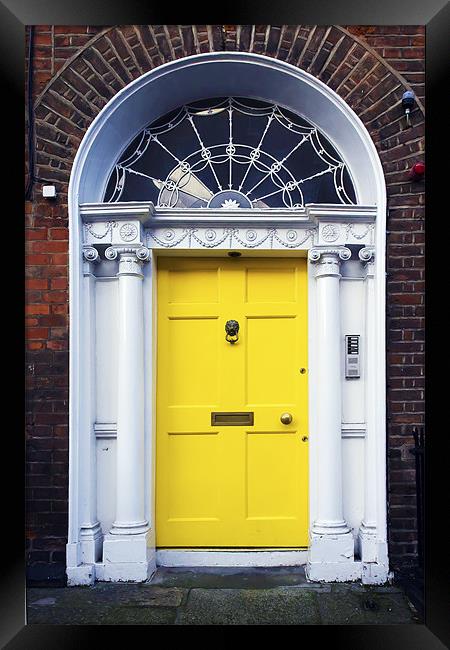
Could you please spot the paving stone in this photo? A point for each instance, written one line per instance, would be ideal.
(122, 615)
(143, 595)
(45, 601)
(140, 595)
(280, 606)
(226, 596)
(355, 608)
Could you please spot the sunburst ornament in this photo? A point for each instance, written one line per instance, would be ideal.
(230, 204)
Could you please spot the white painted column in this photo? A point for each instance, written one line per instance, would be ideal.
(82, 556)
(332, 544)
(130, 516)
(368, 529)
(125, 548)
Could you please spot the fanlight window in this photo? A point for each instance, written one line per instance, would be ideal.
(230, 153)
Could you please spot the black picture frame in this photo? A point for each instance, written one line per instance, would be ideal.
(434, 14)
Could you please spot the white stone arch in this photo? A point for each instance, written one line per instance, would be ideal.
(129, 111)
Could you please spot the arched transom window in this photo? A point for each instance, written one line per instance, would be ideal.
(231, 153)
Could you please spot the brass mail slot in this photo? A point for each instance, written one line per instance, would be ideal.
(232, 419)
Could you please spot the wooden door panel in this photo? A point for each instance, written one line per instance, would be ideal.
(231, 485)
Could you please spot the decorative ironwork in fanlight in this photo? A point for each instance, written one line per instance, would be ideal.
(231, 153)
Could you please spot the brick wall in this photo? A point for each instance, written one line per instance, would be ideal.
(76, 70)
(403, 47)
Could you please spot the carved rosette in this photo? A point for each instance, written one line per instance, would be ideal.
(328, 260)
(331, 232)
(128, 231)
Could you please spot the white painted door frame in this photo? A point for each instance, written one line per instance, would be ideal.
(326, 233)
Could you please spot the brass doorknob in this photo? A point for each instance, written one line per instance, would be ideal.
(286, 418)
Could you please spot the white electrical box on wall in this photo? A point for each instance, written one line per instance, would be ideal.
(49, 191)
(352, 369)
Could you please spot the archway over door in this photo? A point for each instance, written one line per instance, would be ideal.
(142, 101)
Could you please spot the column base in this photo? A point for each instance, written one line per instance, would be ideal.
(349, 571)
(130, 558)
(83, 575)
(127, 559)
(330, 528)
(91, 539)
(331, 547)
(129, 528)
(331, 558)
(374, 573)
(368, 543)
(126, 571)
(78, 573)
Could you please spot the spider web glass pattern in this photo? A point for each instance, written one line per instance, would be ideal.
(230, 153)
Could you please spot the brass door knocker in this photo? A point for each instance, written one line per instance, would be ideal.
(232, 329)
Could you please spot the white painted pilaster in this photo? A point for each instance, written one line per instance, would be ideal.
(368, 528)
(373, 555)
(82, 556)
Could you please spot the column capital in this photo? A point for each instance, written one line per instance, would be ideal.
(90, 256)
(367, 254)
(329, 260)
(131, 258)
(142, 253)
(317, 254)
(367, 257)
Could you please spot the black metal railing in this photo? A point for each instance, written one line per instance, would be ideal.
(418, 452)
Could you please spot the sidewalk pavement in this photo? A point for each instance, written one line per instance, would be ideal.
(221, 596)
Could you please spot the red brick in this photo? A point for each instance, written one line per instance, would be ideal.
(36, 333)
(36, 233)
(36, 284)
(33, 345)
(53, 320)
(37, 309)
(59, 233)
(42, 38)
(55, 296)
(49, 247)
(37, 259)
(58, 283)
(59, 259)
(59, 309)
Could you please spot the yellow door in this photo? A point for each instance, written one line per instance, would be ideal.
(222, 485)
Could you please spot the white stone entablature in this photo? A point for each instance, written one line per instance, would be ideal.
(141, 223)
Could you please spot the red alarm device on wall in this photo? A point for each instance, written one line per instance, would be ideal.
(417, 171)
